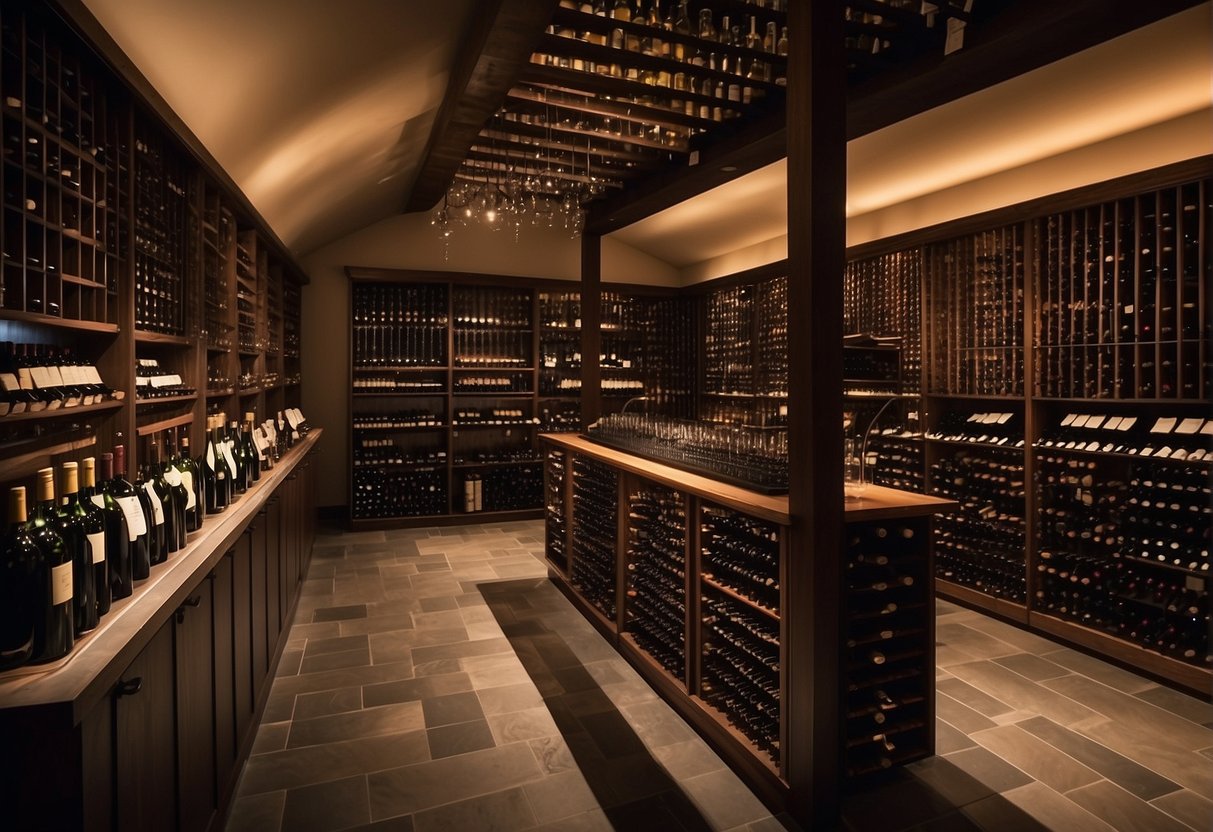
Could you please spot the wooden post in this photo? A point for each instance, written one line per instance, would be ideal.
(591, 321)
(816, 258)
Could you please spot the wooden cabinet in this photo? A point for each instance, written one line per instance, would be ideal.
(146, 730)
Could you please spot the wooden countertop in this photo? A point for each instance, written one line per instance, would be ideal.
(877, 502)
(70, 687)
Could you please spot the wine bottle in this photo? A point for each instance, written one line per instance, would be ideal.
(53, 631)
(215, 471)
(19, 587)
(117, 532)
(175, 495)
(235, 457)
(97, 538)
(163, 499)
(153, 510)
(252, 458)
(191, 481)
(127, 498)
(77, 537)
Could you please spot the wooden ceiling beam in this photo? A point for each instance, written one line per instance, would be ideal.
(500, 132)
(578, 138)
(498, 45)
(599, 106)
(576, 161)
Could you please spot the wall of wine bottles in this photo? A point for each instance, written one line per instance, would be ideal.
(121, 308)
(690, 586)
(1067, 393)
(457, 375)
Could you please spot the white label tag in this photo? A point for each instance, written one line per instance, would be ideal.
(136, 520)
(96, 542)
(292, 419)
(1189, 425)
(258, 442)
(61, 583)
(164, 381)
(1003, 418)
(9, 383)
(1080, 421)
(25, 378)
(98, 500)
(92, 375)
(210, 456)
(187, 480)
(40, 377)
(172, 476)
(1112, 423)
(157, 506)
(1069, 419)
(1095, 421)
(227, 455)
(1128, 309)
(1129, 422)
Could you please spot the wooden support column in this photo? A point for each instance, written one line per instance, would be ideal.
(816, 257)
(591, 322)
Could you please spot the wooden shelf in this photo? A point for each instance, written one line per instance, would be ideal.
(737, 596)
(987, 446)
(62, 412)
(60, 323)
(142, 337)
(496, 464)
(405, 395)
(164, 424)
(192, 397)
(24, 459)
(1194, 678)
(1045, 449)
(977, 599)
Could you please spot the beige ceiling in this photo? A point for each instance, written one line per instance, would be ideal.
(318, 109)
(1150, 76)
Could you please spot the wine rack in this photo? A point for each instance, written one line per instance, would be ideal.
(556, 528)
(883, 296)
(161, 204)
(744, 379)
(975, 295)
(65, 194)
(595, 512)
(655, 606)
(740, 575)
(889, 672)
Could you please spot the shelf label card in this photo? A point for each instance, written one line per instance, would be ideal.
(61, 583)
(136, 520)
(96, 542)
(1070, 417)
(1080, 421)
(1113, 423)
(1189, 426)
(1003, 418)
(1128, 422)
(1095, 421)
(9, 383)
(1164, 425)
(94, 377)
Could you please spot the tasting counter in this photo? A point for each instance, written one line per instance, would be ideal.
(145, 723)
(683, 574)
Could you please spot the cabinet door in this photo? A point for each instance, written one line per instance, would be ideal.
(259, 655)
(273, 571)
(194, 632)
(145, 744)
(244, 613)
(226, 669)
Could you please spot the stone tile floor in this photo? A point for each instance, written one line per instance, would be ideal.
(434, 680)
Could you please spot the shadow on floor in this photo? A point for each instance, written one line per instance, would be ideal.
(636, 793)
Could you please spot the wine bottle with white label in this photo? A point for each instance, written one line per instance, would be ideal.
(241, 479)
(75, 536)
(174, 496)
(191, 481)
(127, 498)
(98, 542)
(117, 532)
(53, 628)
(163, 510)
(19, 587)
(249, 452)
(215, 470)
(154, 510)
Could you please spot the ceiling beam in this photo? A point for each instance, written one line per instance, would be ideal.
(502, 36)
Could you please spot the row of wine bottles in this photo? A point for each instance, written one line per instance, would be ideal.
(595, 518)
(38, 377)
(742, 555)
(656, 587)
(64, 564)
(508, 488)
(555, 525)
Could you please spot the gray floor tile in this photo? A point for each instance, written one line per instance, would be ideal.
(294, 767)
(1188, 707)
(406, 690)
(1138, 779)
(338, 644)
(978, 700)
(988, 769)
(501, 700)
(1122, 810)
(326, 702)
(335, 661)
(1098, 670)
(960, 716)
(1131, 712)
(997, 814)
(452, 708)
(372, 722)
(559, 796)
(338, 804)
(339, 613)
(1032, 667)
(1036, 757)
(1023, 694)
(522, 725)
(503, 811)
(449, 740)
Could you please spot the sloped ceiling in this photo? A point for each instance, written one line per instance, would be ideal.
(319, 110)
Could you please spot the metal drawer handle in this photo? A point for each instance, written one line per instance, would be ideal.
(189, 602)
(130, 687)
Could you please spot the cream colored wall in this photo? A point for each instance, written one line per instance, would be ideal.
(1186, 137)
(408, 241)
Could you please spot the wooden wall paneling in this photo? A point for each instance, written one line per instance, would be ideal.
(145, 744)
(816, 259)
(248, 672)
(226, 671)
(273, 572)
(194, 663)
(260, 646)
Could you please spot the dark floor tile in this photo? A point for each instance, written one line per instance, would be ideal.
(898, 802)
(373, 722)
(988, 769)
(335, 661)
(337, 644)
(415, 788)
(452, 708)
(951, 822)
(612, 734)
(574, 679)
(460, 738)
(1033, 667)
(997, 814)
(685, 811)
(948, 739)
(326, 702)
(271, 736)
(1135, 778)
(980, 701)
(340, 613)
(257, 813)
(279, 707)
(504, 811)
(404, 823)
(461, 649)
(1194, 710)
(954, 784)
(289, 663)
(337, 804)
(406, 690)
(650, 814)
(344, 678)
(960, 716)
(294, 767)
